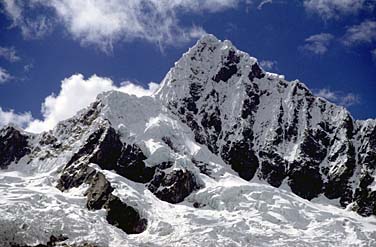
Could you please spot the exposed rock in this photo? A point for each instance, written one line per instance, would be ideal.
(103, 148)
(305, 181)
(229, 68)
(99, 192)
(256, 72)
(108, 150)
(174, 186)
(123, 216)
(54, 241)
(131, 165)
(13, 146)
(365, 199)
(241, 156)
(242, 159)
(273, 168)
(99, 195)
(74, 176)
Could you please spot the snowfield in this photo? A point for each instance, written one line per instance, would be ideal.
(231, 212)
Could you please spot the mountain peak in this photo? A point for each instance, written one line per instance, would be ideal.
(208, 39)
(210, 61)
(218, 124)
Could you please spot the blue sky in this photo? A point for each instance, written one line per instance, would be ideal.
(330, 45)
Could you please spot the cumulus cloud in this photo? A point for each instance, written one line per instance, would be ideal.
(18, 119)
(133, 89)
(268, 64)
(341, 98)
(76, 93)
(4, 76)
(365, 32)
(9, 53)
(318, 43)
(103, 22)
(329, 9)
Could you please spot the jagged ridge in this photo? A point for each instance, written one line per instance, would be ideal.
(260, 123)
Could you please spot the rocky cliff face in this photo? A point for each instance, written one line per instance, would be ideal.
(13, 146)
(217, 111)
(262, 125)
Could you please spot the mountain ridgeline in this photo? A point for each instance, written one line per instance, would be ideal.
(216, 111)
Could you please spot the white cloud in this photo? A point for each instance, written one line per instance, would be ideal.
(349, 100)
(197, 32)
(32, 27)
(341, 98)
(329, 9)
(263, 2)
(9, 53)
(365, 32)
(327, 94)
(268, 64)
(133, 89)
(77, 93)
(28, 67)
(104, 22)
(373, 54)
(4, 76)
(318, 43)
(18, 119)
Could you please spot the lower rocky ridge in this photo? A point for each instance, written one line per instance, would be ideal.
(55, 241)
(104, 148)
(99, 195)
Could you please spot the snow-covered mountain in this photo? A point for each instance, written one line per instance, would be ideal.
(223, 154)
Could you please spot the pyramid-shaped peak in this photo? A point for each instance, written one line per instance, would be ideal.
(211, 52)
(210, 43)
(208, 38)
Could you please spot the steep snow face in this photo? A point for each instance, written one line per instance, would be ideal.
(193, 164)
(261, 124)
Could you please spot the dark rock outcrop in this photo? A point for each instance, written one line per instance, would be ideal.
(242, 158)
(99, 195)
(256, 72)
(54, 241)
(229, 67)
(103, 148)
(174, 186)
(124, 217)
(13, 146)
(131, 165)
(99, 192)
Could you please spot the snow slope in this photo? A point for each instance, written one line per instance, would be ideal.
(233, 212)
